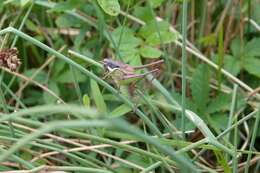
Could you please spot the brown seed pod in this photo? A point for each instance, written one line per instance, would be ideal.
(9, 59)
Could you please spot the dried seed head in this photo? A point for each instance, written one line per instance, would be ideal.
(9, 59)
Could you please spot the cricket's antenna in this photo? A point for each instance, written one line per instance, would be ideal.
(150, 64)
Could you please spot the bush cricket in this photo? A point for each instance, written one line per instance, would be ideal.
(124, 74)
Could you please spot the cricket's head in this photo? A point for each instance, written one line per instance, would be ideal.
(110, 64)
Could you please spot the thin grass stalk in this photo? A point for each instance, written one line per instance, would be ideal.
(152, 167)
(22, 23)
(232, 108)
(196, 120)
(220, 57)
(202, 18)
(232, 111)
(192, 146)
(3, 101)
(183, 64)
(19, 160)
(45, 168)
(152, 127)
(16, 38)
(76, 84)
(252, 22)
(45, 145)
(48, 128)
(257, 168)
(122, 125)
(54, 147)
(181, 161)
(247, 117)
(78, 110)
(254, 134)
(235, 156)
(157, 113)
(8, 90)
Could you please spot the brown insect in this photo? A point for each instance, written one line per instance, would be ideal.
(124, 75)
(9, 59)
(123, 71)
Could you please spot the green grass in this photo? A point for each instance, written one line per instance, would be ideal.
(200, 113)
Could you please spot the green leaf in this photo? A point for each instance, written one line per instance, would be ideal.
(252, 66)
(86, 100)
(111, 7)
(66, 5)
(98, 97)
(31, 26)
(150, 52)
(151, 27)
(252, 48)
(49, 99)
(220, 103)
(222, 161)
(232, 64)
(235, 47)
(163, 38)
(156, 3)
(130, 56)
(66, 21)
(209, 40)
(41, 77)
(67, 77)
(200, 87)
(125, 39)
(143, 13)
(24, 2)
(120, 110)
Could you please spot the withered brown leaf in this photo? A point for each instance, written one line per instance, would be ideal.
(9, 58)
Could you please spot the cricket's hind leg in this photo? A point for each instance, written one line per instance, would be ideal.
(133, 95)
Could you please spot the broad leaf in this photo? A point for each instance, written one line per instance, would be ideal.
(220, 103)
(150, 52)
(151, 27)
(162, 38)
(50, 99)
(252, 66)
(41, 77)
(67, 77)
(232, 64)
(252, 48)
(66, 5)
(200, 87)
(66, 21)
(156, 3)
(143, 13)
(235, 47)
(111, 7)
(125, 39)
